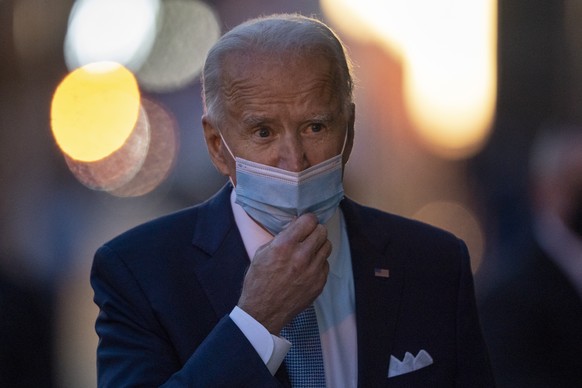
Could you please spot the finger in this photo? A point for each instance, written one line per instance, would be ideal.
(325, 250)
(319, 260)
(299, 228)
(316, 238)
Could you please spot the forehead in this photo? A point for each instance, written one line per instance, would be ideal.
(307, 80)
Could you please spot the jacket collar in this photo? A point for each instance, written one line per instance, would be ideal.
(214, 221)
(377, 297)
(220, 271)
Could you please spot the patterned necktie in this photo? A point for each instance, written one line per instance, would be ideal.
(304, 360)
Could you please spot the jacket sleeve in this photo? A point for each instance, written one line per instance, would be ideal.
(135, 350)
(473, 366)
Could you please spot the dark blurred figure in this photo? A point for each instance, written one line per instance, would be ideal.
(532, 313)
(25, 335)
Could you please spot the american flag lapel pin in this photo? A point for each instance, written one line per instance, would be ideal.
(382, 272)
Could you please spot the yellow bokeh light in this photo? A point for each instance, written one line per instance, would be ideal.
(448, 51)
(369, 20)
(450, 76)
(94, 110)
(119, 168)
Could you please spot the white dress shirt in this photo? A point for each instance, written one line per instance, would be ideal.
(335, 307)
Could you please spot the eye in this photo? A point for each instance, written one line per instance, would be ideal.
(316, 127)
(263, 132)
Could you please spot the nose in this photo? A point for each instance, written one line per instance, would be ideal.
(292, 155)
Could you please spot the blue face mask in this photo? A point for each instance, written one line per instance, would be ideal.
(274, 197)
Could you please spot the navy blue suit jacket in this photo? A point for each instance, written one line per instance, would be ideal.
(165, 290)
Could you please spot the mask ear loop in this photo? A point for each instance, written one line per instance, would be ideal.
(226, 144)
(229, 151)
(345, 140)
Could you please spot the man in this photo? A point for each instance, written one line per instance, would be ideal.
(532, 314)
(200, 298)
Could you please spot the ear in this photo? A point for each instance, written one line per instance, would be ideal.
(216, 148)
(350, 139)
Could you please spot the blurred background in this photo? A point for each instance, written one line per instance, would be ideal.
(450, 96)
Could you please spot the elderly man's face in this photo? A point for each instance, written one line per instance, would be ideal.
(284, 113)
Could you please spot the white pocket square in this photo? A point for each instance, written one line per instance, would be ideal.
(410, 363)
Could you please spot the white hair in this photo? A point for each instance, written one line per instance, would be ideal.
(275, 34)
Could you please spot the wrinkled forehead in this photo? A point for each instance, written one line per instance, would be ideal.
(241, 68)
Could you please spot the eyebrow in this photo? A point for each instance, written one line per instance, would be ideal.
(254, 120)
(324, 117)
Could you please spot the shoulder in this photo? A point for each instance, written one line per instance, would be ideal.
(176, 225)
(146, 252)
(383, 226)
(429, 254)
(170, 235)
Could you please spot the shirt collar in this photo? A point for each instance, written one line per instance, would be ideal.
(254, 236)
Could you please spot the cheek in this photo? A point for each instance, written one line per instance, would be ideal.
(264, 155)
(232, 168)
(321, 151)
(229, 166)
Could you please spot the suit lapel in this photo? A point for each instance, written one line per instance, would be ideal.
(377, 296)
(221, 271)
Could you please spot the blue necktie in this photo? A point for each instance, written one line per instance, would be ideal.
(304, 360)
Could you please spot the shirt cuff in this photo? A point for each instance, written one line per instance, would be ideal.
(271, 349)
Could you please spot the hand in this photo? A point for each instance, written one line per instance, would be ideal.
(287, 274)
